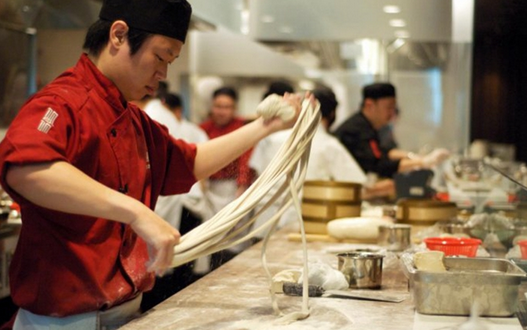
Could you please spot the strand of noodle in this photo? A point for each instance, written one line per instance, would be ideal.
(211, 228)
(252, 234)
(287, 170)
(237, 216)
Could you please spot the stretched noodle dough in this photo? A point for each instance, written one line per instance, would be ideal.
(289, 163)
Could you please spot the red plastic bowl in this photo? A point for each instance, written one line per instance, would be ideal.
(523, 248)
(453, 246)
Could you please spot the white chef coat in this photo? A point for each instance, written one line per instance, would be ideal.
(328, 160)
(170, 207)
(158, 112)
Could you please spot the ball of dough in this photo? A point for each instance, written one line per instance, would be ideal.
(365, 228)
(274, 106)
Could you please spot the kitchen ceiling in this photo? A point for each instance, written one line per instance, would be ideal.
(327, 34)
(335, 20)
(342, 20)
(316, 34)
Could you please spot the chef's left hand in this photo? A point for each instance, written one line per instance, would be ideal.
(295, 101)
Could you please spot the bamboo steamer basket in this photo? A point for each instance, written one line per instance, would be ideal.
(323, 201)
(424, 213)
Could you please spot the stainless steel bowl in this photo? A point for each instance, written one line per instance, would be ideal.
(394, 237)
(363, 270)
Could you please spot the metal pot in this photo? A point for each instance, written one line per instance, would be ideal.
(362, 270)
(394, 237)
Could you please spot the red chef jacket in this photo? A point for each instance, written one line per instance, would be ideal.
(239, 169)
(68, 264)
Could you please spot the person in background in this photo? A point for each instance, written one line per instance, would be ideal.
(223, 120)
(87, 166)
(187, 130)
(232, 180)
(386, 134)
(278, 87)
(328, 159)
(360, 135)
(157, 110)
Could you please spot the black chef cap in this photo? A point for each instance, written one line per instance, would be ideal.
(170, 18)
(378, 91)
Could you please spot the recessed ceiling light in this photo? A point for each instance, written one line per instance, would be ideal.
(402, 34)
(397, 22)
(267, 19)
(391, 9)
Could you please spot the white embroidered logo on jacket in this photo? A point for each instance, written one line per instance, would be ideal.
(46, 123)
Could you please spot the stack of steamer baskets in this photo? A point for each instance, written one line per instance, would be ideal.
(424, 213)
(323, 201)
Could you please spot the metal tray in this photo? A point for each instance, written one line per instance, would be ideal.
(491, 282)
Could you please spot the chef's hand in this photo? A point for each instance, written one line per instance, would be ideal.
(282, 113)
(161, 238)
(435, 157)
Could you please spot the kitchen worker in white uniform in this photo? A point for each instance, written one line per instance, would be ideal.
(328, 160)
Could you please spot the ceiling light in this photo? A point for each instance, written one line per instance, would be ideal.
(402, 34)
(245, 19)
(397, 22)
(391, 9)
(267, 19)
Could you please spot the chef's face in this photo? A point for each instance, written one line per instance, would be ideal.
(382, 111)
(139, 74)
(223, 109)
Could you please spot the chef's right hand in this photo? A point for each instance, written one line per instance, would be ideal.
(161, 238)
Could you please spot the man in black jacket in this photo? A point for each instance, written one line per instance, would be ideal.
(359, 134)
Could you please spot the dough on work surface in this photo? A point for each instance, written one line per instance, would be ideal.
(275, 106)
(360, 228)
(430, 261)
(288, 275)
(325, 276)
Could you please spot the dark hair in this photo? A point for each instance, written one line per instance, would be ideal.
(162, 89)
(172, 100)
(99, 33)
(328, 103)
(226, 91)
(280, 88)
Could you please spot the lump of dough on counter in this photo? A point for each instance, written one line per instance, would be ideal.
(325, 276)
(288, 275)
(275, 106)
(360, 228)
(430, 261)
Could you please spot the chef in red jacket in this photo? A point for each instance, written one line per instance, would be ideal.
(87, 166)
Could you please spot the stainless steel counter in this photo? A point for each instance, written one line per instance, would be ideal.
(235, 297)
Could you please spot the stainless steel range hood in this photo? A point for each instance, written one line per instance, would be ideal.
(19, 22)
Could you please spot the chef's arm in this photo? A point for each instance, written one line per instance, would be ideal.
(407, 164)
(395, 154)
(430, 160)
(215, 154)
(62, 187)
